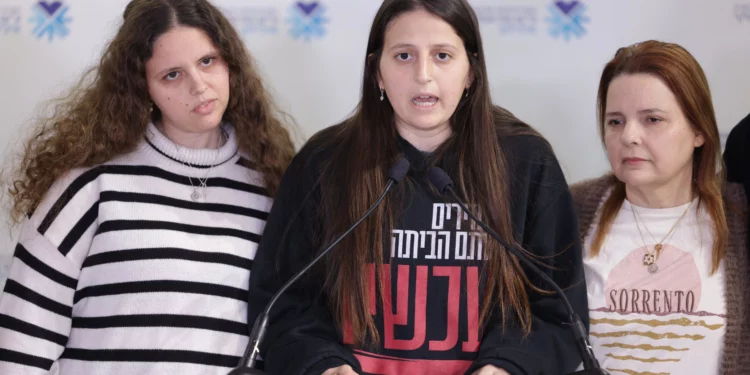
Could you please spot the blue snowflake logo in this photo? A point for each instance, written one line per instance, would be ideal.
(567, 19)
(307, 20)
(50, 18)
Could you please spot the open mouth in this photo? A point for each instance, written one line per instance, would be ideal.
(205, 107)
(424, 100)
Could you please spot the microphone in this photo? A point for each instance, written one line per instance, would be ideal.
(245, 367)
(443, 183)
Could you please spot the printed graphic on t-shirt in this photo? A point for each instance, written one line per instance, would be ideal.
(649, 323)
(428, 323)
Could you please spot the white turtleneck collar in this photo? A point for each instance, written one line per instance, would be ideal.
(195, 157)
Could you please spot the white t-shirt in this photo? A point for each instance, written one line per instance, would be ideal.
(668, 322)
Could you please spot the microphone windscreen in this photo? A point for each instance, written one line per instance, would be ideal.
(439, 179)
(398, 170)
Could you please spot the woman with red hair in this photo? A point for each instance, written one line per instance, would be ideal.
(664, 236)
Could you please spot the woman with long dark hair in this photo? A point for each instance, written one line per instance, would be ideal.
(418, 288)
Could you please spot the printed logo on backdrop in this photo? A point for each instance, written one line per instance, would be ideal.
(510, 20)
(254, 19)
(566, 19)
(10, 20)
(307, 20)
(742, 12)
(50, 19)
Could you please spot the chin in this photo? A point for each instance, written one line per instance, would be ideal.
(208, 123)
(427, 124)
(636, 178)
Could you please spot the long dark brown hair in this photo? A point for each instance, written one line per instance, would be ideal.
(679, 70)
(107, 112)
(479, 173)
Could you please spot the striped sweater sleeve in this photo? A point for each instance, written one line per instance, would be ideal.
(37, 301)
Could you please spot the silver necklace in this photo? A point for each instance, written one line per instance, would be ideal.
(202, 183)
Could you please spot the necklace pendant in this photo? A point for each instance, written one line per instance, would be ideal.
(652, 268)
(649, 259)
(196, 195)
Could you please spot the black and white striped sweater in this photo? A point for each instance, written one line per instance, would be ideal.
(119, 271)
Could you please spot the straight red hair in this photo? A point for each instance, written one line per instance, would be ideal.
(679, 70)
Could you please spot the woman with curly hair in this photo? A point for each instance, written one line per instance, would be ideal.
(143, 198)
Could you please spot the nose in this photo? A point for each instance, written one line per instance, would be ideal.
(198, 85)
(631, 133)
(423, 69)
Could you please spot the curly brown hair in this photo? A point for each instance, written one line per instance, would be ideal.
(107, 112)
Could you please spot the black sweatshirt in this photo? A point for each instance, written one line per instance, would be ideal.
(435, 264)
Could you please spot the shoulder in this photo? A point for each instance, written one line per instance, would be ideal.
(76, 190)
(519, 140)
(526, 150)
(305, 170)
(534, 174)
(318, 149)
(591, 189)
(527, 147)
(68, 199)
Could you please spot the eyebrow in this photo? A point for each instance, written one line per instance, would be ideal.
(642, 112)
(439, 45)
(651, 110)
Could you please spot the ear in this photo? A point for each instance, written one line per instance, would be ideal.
(699, 140)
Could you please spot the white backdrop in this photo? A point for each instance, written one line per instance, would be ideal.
(547, 80)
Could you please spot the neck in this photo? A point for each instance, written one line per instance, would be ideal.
(426, 140)
(210, 139)
(672, 194)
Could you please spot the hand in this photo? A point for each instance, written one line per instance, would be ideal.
(344, 370)
(488, 370)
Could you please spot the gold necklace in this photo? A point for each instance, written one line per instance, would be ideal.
(650, 258)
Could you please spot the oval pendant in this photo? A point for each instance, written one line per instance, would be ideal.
(652, 268)
(195, 195)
